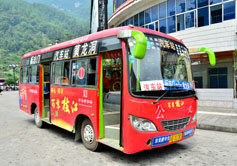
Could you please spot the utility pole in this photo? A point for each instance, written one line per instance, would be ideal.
(99, 15)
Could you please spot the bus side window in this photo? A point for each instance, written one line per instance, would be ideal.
(84, 71)
(34, 74)
(60, 74)
(24, 75)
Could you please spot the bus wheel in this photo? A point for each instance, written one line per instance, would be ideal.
(38, 122)
(88, 135)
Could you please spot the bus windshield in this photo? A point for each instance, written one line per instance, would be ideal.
(166, 66)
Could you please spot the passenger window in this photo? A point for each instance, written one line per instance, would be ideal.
(34, 74)
(24, 75)
(60, 74)
(84, 71)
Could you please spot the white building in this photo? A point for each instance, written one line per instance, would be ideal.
(209, 23)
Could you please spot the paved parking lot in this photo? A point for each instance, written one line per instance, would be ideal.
(22, 143)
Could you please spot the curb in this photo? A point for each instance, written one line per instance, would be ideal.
(216, 128)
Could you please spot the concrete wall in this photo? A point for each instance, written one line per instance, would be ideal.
(215, 94)
(202, 70)
(220, 98)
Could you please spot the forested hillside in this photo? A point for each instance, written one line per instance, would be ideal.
(26, 27)
(79, 9)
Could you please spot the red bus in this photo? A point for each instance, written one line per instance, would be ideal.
(129, 88)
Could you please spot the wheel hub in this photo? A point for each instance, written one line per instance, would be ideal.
(89, 133)
(37, 118)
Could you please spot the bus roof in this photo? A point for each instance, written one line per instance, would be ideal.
(94, 36)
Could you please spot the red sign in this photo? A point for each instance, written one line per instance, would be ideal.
(81, 73)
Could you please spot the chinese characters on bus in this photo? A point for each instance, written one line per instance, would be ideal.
(66, 105)
(85, 49)
(62, 54)
(35, 59)
(163, 43)
(176, 104)
(152, 85)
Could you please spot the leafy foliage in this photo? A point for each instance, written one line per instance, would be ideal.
(25, 27)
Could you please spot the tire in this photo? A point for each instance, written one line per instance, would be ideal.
(38, 122)
(88, 136)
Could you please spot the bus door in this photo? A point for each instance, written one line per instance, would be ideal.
(46, 91)
(111, 53)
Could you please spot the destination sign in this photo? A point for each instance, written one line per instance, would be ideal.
(62, 54)
(85, 49)
(35, 59)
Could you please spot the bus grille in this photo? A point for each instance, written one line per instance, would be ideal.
(176, 124)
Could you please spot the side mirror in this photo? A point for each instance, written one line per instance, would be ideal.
(139, 51)
(211, 54)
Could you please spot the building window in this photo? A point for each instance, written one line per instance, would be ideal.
(191, 4)
(154, 12)
(118, 3)
(218, 77)
(203, 17)
(198, 82)
(162, 10)
(216, 14)
(171, 7)
(141, 18)
(148, 16)
(152, 26)
(126, 23)
(180, 22)
(214, 1)
(189, 20)
(171, 24)
(202, 3)
(130, 21)
(136, 20)
(229, 11)
(157, 26)
(163, 26)
(180, 6)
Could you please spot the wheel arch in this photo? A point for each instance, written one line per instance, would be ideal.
(78, 121)
(32, 108)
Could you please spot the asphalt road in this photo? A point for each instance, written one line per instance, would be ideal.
(22, 143)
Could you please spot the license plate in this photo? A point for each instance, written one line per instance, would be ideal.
(165, 139)
(175, 137)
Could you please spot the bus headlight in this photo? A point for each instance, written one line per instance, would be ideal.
(194, 117)
(141, 124)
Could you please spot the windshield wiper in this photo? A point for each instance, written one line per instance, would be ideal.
(157, 100)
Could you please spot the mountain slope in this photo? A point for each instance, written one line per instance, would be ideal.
(79, 9)
(26, 27)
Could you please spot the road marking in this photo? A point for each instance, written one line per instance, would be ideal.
(217, 113)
